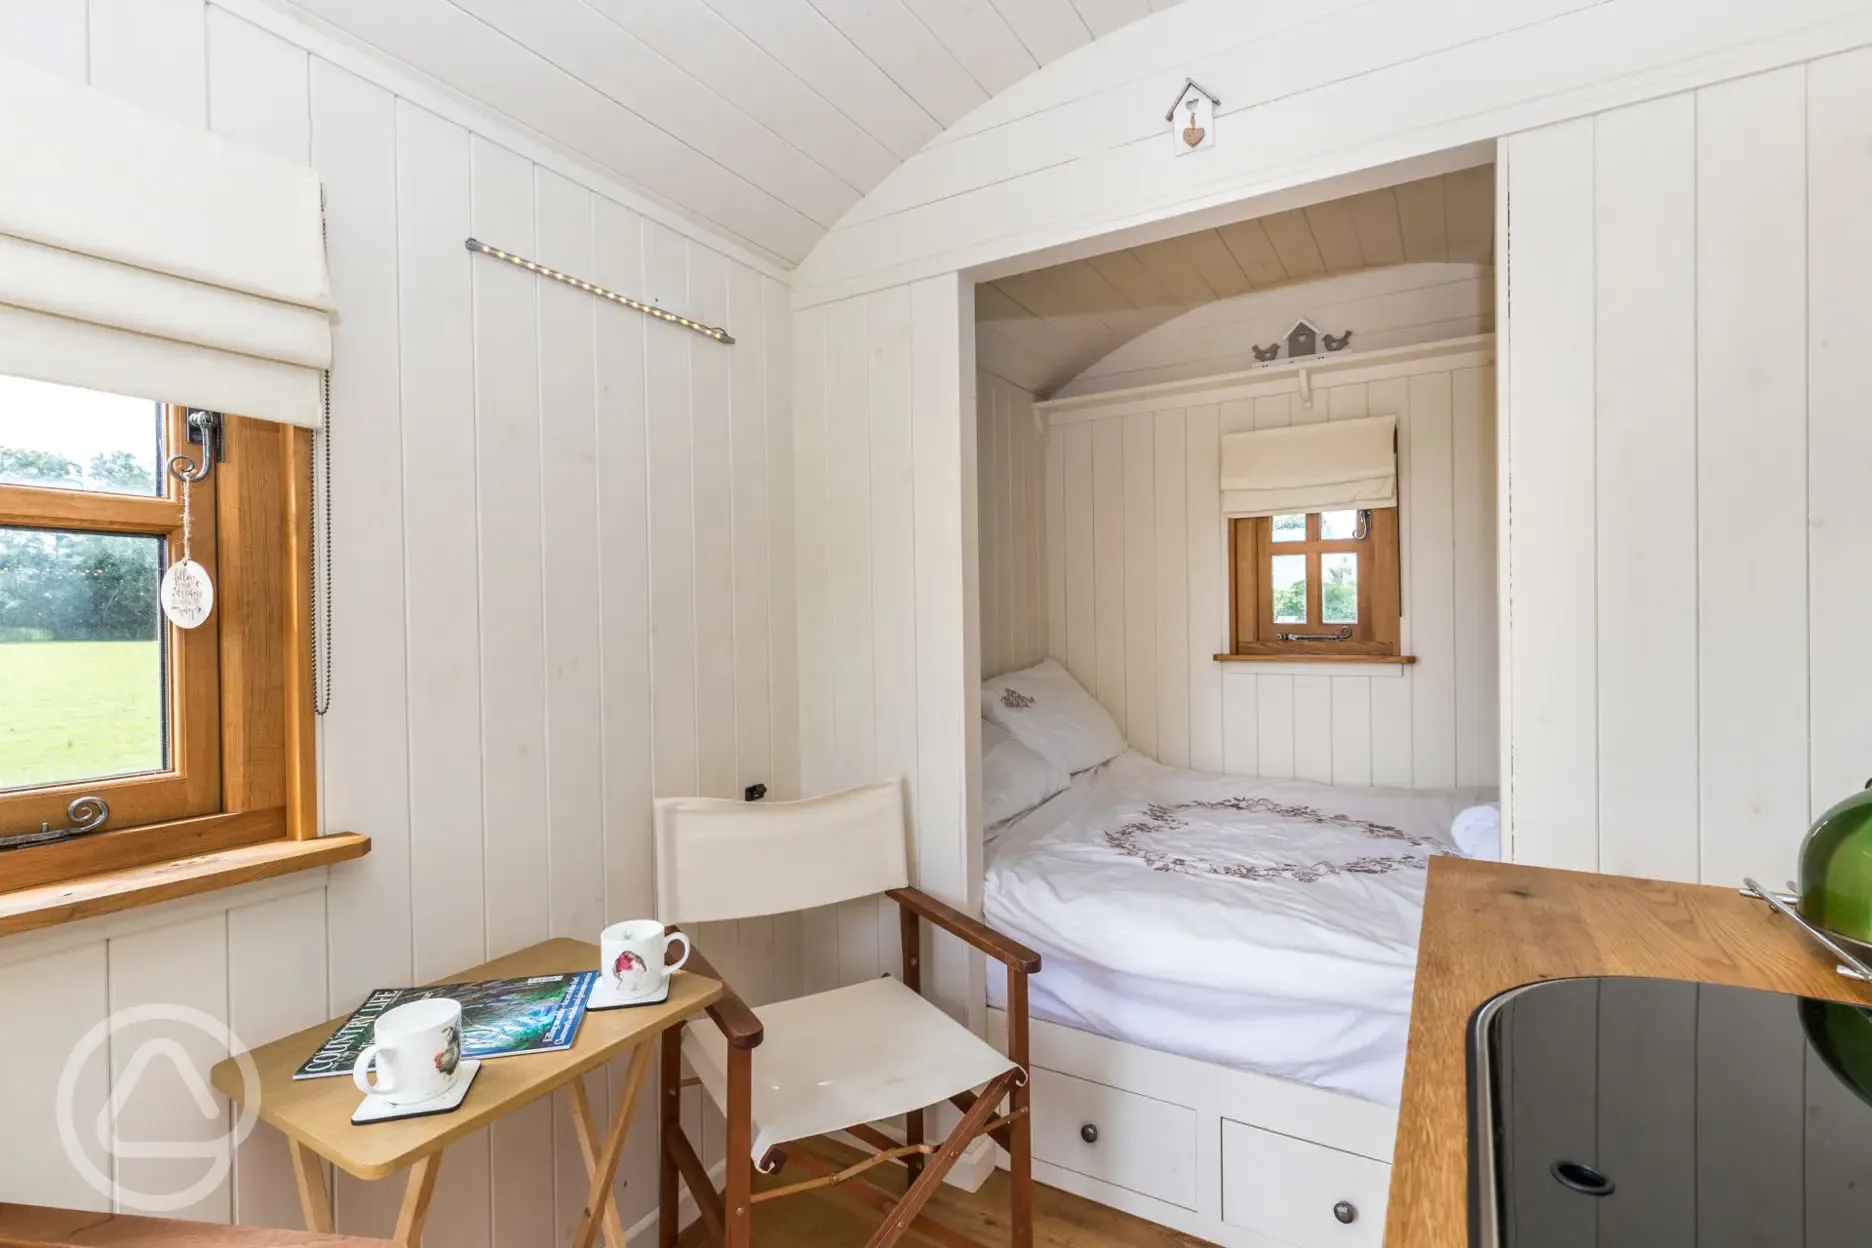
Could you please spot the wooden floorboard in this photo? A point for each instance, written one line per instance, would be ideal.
(833, 1218)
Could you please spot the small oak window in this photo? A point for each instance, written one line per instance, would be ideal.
(1321, 583)
(193, 742)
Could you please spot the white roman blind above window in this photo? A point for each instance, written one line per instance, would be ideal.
(1320, 467)
(141, 256)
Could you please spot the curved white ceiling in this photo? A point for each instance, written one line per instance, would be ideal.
(762, 119)
(1042, 328)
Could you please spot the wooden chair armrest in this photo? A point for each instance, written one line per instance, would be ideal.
(738, 1023)
(1011, 954)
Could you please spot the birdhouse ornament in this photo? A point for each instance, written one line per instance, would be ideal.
(1192, 119)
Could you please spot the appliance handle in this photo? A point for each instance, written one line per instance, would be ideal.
(1853, 968)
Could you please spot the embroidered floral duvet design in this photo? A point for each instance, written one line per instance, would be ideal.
(1134, 841)
(1015, 700)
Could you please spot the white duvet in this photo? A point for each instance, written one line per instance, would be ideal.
(1267, 924)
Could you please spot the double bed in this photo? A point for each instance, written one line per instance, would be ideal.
(1264, 925)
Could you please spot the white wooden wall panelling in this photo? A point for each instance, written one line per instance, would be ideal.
(513, 642)
(893, 571)
(185, 964)
(1104, 16)
(1055, 507)
(1752, 472)
(1140, 579)
(440, 513)
(1839, 173)
(1171, 492)
(1490, 70)
(948, 815)
(672, 522)
(153, 53)
(990, 426)
(1081, 639)
(1208, 586)
(1473, 580)
(1553, 607)
(1108, 552)
(69, 991)
(1392, 749)
(276, 975)
(365, 739)
(1645, 216)
(48, 33)
(258, 88)
(1332, 727)
(712, 468)
(985, 45)
(569, 551)
(1433, 550)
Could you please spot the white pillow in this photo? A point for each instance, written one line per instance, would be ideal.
(1477, 832)
(1048, 711)
(1014, 778)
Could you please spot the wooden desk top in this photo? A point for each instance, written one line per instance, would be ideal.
(1491, 926)
(317, 1112)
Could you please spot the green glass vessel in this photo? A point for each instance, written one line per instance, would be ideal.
(1836, 870)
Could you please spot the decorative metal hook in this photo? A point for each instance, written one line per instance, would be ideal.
(204, 428)
(87, 814)
(1364, 525)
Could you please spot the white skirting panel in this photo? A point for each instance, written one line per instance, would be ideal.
(1689, 525)
(563, 551)
(1138, 591)
(1011, 493)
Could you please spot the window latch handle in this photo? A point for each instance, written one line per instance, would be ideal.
(87, 814)
(1344, 634)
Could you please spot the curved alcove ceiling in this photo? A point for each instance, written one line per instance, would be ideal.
(1398, 305)
(764, 120)
(1041, 329)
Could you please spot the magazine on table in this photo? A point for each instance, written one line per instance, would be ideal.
(500, 1018)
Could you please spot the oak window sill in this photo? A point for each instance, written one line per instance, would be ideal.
(1321, 664)
(47, 905)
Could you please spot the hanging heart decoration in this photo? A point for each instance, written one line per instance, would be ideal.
(1193, 133)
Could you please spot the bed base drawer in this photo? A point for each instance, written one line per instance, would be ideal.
(1117, 1137)
(1303, 1193)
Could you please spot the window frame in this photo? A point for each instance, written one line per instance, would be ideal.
(1252, 630)
(258, 747)
(191, 784)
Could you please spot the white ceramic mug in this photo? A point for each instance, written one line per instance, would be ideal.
(633, 958)
(416, 1049)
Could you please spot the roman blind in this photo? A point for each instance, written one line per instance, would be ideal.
(145, 257)
(1319, 467)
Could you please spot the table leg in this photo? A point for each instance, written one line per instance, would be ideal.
(309, 1173)
(415, 1211)
(604, 1164)
(584, 1126)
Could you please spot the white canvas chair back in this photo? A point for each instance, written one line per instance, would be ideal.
(718, 859)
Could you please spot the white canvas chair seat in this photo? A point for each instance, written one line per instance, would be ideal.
(852, 1055)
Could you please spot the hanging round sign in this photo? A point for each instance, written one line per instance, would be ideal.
(187, 593)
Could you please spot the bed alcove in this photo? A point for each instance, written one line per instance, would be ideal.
(1104, 387)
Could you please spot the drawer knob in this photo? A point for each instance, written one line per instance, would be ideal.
(1346, 1212)
(1089, 1133)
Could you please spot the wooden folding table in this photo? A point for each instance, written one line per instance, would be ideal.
(315, 1114)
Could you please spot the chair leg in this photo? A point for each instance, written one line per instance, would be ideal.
(669, 1119)
(1020, 1131)
(913, 1134)
(905, 1212)
(738, 1165)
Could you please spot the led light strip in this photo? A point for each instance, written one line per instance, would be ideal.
(636, 305)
